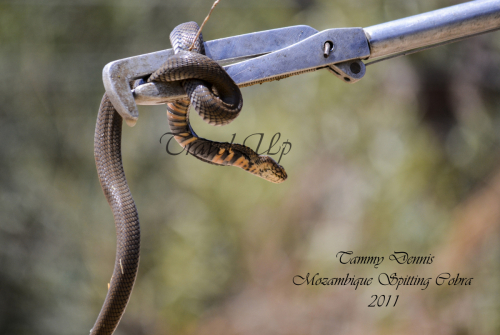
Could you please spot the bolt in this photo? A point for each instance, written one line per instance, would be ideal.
(327, 48)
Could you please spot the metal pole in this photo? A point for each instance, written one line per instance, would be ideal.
(434, 27)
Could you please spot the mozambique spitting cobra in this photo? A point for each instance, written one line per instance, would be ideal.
(217, 99)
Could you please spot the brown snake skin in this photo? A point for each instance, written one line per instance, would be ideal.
(107, 151)
(218, 101)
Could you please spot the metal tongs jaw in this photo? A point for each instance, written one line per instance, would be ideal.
(275, 54)
(249, 59)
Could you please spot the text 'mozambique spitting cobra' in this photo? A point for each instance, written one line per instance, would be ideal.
(218, 101)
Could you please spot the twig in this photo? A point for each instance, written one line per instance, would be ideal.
(206, 19)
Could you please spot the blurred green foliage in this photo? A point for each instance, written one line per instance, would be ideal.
(406, 159)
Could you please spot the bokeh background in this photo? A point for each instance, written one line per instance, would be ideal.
(407, 159)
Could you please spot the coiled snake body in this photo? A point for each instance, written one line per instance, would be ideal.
(202, 76)
(218, 100)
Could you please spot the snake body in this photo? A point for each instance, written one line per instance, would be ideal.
(107, 152)
(218, 100)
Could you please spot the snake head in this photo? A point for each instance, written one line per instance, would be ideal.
(272, 171)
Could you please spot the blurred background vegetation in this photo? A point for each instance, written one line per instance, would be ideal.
(405, 160)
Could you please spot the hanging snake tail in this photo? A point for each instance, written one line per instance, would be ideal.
(225, 154)
(107, 150)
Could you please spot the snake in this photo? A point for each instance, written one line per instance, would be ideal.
(107, 152)
(218, 100)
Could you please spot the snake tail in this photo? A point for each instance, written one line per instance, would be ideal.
(107, 151)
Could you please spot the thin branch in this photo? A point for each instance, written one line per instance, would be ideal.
(206, 19)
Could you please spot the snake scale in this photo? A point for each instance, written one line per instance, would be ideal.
(217, 99)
